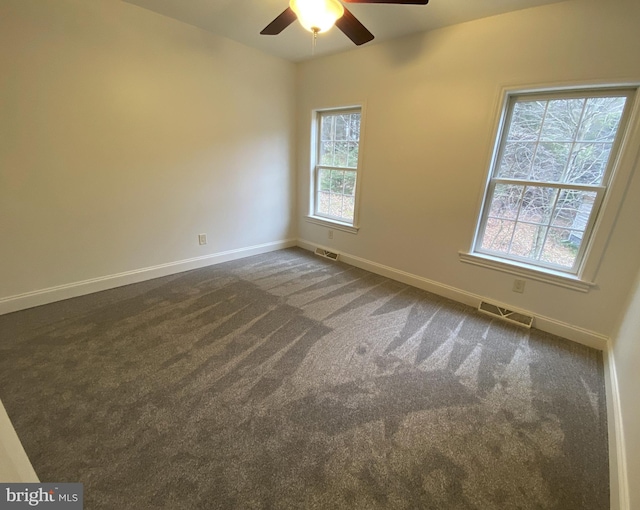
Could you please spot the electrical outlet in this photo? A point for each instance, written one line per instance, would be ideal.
(202, 239)
(518, 286)
(330, 234)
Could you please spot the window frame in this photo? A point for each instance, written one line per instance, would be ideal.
(314, 216)
(608, 198)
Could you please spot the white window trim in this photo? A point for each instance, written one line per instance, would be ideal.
(558, 278)
(334, 224)
(621, 170)
(311, 217)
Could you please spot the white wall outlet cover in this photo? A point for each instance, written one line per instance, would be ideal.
(518, 286)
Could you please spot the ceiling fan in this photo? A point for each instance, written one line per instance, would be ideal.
(320, 15)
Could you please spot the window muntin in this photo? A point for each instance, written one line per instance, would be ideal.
(336, 168)
(550, 175)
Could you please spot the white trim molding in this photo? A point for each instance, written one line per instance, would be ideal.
(618, 480)
(314, 166)
(548, 324)
(75, 289)
(332, 224)
(542, 275)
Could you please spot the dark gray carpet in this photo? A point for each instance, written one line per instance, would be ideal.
(288, 381)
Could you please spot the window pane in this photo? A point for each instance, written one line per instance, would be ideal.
(517, 159)
(561, 120)
(337, 181)
(326, 153)
(327, 127)
(573, 209)
(354, 127)
(537, 204)
(506, 201)
(342, 126)
(561, 247)
(550, 161)
(324, 180)
(352, 155)
(601, 119)
(335, 205)
(588, 163)
(350, 183)
(348, 208)
(528, 240)
(526, 120)
(341, 154)
(497, 235)
(323, 203)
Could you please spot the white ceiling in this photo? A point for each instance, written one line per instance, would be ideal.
(242, 21)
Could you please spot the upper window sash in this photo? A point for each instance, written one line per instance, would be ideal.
(330, 137)
(513, 99)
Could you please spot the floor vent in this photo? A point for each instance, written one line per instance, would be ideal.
(505, 314)
(326, 254)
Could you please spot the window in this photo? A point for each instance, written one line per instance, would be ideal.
(550, 174)
(336, 167)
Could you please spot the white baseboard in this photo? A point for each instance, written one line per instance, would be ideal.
(556, 327)
(75, 289)
(619, 482)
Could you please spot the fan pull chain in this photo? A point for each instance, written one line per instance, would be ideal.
(315, 40)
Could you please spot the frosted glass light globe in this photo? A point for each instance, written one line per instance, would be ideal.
(317, 15)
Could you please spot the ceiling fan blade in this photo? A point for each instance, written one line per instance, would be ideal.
(406, 2)
(280, 23)
(353, 29)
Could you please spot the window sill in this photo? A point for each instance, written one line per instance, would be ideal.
(337, 225)
(532, 273)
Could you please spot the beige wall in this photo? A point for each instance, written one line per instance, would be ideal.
(626, 356)
(124, 134)
(431, 103)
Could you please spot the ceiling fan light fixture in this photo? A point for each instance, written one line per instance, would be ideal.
(317, 15)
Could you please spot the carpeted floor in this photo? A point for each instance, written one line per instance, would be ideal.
(286, 381)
